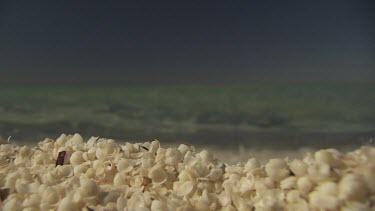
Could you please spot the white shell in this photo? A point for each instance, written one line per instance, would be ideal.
(136, 201)
(224, 199)
(158, 175)
(120, 179)
(277, 169)
(67, 204)
(172, 156)
(319, 172)
(103, 175)
(50, 196)
(353, 205)
(76, 142)
(304, 185)
(61, 140)
(12, 204)
(32, 201)
(76, 158)
(157, 205)
(136, 181)
(293, 196)
(183, 149)
(328, 188)
(288, 183)
(251, 165)
(65, 171)
(353, 187)
(125, 165)
(90, 173)
(154, 146)
(80, 169)
(298, 167)
(89, 187)
(325, 156)
(323, 201)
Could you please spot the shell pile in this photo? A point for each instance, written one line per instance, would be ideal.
(102, 175)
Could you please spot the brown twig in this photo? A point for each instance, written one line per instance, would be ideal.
(60, 158)
(4, 192)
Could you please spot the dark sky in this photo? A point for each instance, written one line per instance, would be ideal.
(145, 42)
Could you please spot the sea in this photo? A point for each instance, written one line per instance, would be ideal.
(277, 116)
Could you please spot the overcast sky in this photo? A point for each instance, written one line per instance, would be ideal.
(146, 42)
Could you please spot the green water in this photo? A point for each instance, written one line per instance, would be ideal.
(197, 114)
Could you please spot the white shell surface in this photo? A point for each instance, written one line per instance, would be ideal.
(101, 174)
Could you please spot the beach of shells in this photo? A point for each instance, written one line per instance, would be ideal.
(100, 174)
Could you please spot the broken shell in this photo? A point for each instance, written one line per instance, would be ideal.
(136, 181)
(160, 155)
(206, 156)
(184, 176)
(125, 165)
(92, 142)
(61, 140)
(183, 149)
(234, 170)
(215, 174)
(245, 185)
(197, 168)
(154, 146)
(136, 155)
(251, 165)
(172, 156)
(120, 179)
(106, 149)
(184, 188)
(24, 151)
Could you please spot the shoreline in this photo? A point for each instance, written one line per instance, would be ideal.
(211, 138)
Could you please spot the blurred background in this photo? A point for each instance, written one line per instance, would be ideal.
(262, 75)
